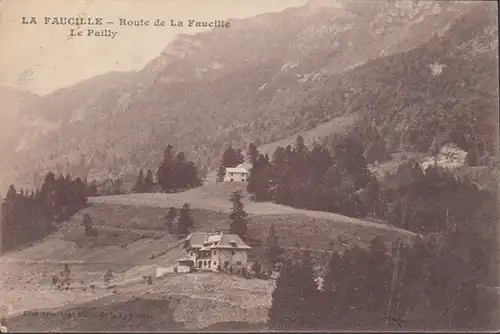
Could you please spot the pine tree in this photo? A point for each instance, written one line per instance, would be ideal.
(240, 158)
(170, 217)
(377, 280)
(259, 179)
(229, 157)
(300, 146)
(282, 315)
(165, 174)
(253, 153)
(308, 294)
(91, 189)
(221, 172)
(274, 251)
(185, 222)
(149, 184)
(238, 215)
(294, 303)
(11, 193)
(87, 224)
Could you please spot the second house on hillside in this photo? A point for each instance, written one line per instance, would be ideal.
(239, 173)
(215, 252)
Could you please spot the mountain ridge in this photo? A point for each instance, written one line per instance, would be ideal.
(154, 103)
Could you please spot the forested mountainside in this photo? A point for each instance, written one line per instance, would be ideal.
(443, 91)
(13, 123)
(265, 79)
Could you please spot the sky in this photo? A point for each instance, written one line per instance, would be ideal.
(43, 58)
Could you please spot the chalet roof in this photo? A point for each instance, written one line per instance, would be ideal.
(246, 165)
(207, 241)
(240, 170)
(197, 239)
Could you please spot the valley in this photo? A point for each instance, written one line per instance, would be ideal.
(383, 114)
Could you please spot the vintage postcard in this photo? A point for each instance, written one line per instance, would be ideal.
(234, 165)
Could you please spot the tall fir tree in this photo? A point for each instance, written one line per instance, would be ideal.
(238, 215)
(273, 249)
(260, 178)
(139, 183)
(253, 153)
(165, 174)
(149, 184)
(294, 303)
(221, 172)
(300, 146)
(185, 222)
(308, 294)
(282, 315)
(170, 217)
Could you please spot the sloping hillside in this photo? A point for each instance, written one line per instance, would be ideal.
(185, 96)
(214, 197)
(447, 87)
(132, 241)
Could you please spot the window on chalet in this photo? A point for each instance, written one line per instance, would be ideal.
(238, 262)
(233, 252)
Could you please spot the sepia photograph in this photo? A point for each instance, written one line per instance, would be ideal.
(254, 166)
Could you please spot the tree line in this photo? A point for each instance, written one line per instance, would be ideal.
(338, 180)
(27, 216)
(175, 173)
(437, 282)
(313, 179)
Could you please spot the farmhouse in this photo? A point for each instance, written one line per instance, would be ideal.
(239, 173)
(215, 252)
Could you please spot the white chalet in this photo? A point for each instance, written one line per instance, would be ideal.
(239, 173)
(215, 252)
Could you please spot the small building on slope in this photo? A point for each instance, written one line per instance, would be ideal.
(239, 173)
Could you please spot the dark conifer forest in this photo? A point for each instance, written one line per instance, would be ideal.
(28, 216)
(175, 173)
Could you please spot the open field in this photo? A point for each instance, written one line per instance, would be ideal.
(296, 228)
(214, 197)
